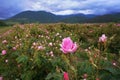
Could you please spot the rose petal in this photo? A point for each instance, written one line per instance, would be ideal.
(74, 47)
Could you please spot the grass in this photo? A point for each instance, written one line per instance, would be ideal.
(4, 29)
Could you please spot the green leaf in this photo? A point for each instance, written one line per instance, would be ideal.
(113, 70)
(22, 59)
(54, 76)
(27, 75)
(109, 73)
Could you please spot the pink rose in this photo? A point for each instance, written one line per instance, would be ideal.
(65, 76)
(85, 76)
(118, 24)
(4, 41)
(68, 46)
(97, 79)
(50, 44)
(114, 63)
(40, 48)
(4, 52)
(103, 38)
(1, 78)
(6, 60)
(14, 48)
(51, 53)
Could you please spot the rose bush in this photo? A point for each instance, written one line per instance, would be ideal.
(32, 52)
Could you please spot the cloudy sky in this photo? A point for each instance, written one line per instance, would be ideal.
(9, 8)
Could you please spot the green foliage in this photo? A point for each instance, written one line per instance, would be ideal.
(54, 76)
(37, 54)
(2, 23)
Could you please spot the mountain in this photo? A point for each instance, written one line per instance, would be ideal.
(47, 17)
(35, 16)
(114, 17)
(77, 18)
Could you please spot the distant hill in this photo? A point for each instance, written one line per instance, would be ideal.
(47, 17)
(2, 23)
(77, 18)
(35, 16)
(115, 17)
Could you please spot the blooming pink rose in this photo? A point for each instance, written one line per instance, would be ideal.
(40, 48)
(4, 41)
(65, 75)
(114, 63)
(118, 24)
(103, 38)
(4, 52)
(85, 76)
(68, 46)
(6, 60)
(14, 48)
(34, 44)
(1, 78)
(51, 53)
(97, 79)
(50, 44)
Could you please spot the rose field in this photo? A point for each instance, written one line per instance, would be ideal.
(60, 52)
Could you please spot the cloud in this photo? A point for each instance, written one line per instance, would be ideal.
(68, 12)
(9, 8)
